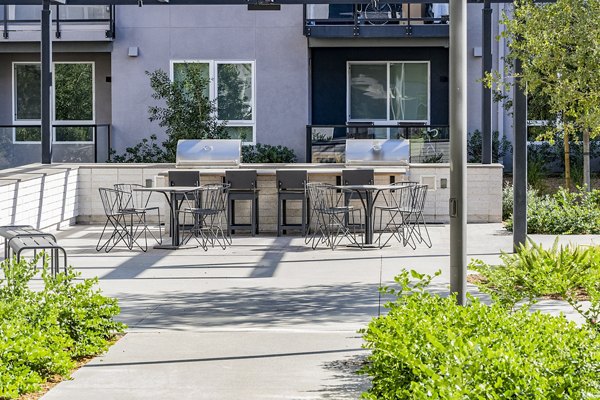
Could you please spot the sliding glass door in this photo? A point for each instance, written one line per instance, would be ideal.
(388, 92)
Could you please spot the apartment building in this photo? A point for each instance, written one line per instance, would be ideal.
(293, 66)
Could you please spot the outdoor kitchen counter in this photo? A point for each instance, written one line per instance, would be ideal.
(266, 183)
(484, 187)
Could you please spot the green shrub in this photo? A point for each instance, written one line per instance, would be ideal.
(147, 151)
(184, 109)
(428, 347)
(563, 212)
(507, 201)
(537, 173)
(533, 272)
(43, 332)
(500, 147)
(265, 153)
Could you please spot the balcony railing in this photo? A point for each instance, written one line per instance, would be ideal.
(387, 20)
(20, 144)
(16, 18)
(327, 143)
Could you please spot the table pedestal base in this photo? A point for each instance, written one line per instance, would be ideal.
(173, 247)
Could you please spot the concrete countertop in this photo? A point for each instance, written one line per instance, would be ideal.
(32, 171)
(313, 169)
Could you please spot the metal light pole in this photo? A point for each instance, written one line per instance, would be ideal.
(46, 72)
(519, 162)
(486, 101)
(458, 149)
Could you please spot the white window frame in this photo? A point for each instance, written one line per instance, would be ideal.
(387, 121)
(14, 104)
(213, 89)
(53, 108)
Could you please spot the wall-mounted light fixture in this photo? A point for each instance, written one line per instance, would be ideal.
(133, 51)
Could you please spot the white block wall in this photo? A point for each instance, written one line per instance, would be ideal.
(484, 191)
(94, 176)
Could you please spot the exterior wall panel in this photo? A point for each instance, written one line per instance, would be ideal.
(329, 78)
(271, 38)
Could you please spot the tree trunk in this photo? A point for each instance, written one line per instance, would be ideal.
(567, 161)
(586, 160)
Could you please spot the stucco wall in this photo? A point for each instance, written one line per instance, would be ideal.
(22, 154)
(273, 39)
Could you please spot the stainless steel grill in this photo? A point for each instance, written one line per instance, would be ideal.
(377, 152)
(207, 153)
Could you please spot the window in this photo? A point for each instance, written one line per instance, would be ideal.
(232, 86)
(389, 92)
(32, 13)
(84, 12)
(73, 101)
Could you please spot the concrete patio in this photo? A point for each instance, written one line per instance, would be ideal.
(266, 319)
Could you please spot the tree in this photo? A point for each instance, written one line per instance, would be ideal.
(187, 112)
(559, 47)
(74, 99)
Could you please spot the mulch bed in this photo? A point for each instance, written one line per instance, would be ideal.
(581, 294)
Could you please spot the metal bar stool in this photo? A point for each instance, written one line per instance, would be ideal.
(242, 186)
(291, 186)
(183, 178)
(356, 177)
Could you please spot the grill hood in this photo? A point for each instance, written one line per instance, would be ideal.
(377, 152)
(208, 153)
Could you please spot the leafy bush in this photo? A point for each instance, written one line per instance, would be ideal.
(265, 153)
(568, 273)
(499, 147)
(507, 201)
(563, 212)
(187, 112)
(148, 151)
(427, 346)
(42, 333)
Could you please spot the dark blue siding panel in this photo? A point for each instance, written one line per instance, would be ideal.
(329, 78)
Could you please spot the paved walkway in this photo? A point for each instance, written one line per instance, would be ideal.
(266, 319)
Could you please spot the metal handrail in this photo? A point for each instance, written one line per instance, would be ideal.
(110, 33)
(357, 22)
(95, 128)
